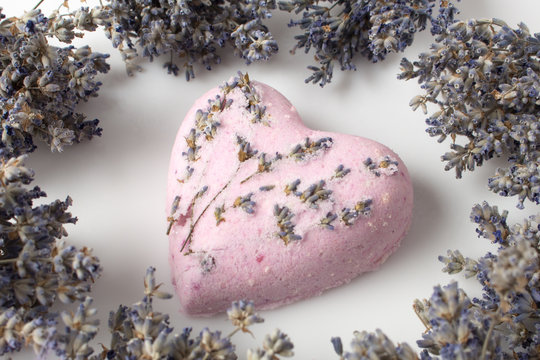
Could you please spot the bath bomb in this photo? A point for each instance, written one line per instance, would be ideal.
(262, 208)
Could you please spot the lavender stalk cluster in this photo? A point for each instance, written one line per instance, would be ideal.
(138, 331)
(338, 30)
(481, 82)
(456, 328)
(141, 332)
(38, 269)
(185, 32)
(41, 85)
(503, 323)
(510, 279)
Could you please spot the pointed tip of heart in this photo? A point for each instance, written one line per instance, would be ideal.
(286, 212)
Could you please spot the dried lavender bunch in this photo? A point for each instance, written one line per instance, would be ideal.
(41, 84)
(510, 279)
(141, 332)
(338, 30)
(482, 78)
(456, 328)
(503, 324)
(191, 31)
(138, 332)
(37, 269)
(459, 329)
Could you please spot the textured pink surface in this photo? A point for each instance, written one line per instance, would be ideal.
(243, 257)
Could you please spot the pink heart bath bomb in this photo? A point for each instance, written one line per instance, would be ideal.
(264, 209)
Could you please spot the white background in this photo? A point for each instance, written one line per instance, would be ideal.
(118, 182)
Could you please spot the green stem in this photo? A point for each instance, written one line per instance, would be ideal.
(233, 332)
(332, 7)
(249, 177)
(8, 261)
(486, 341)
(171, 223)
(416, 311)
(38, 4)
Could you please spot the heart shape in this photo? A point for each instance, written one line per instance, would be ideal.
(263, 208)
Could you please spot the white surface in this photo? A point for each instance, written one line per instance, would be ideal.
(118, 181)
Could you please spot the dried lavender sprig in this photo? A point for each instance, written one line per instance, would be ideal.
(286, 228)
(209, 127)
(201, 192)
(191, 141)
(292, 187)
(80, 329)
(326, 222)
(519, 179)
(252, 97)
(314, 194)
(455, 262)
(42, 332)
(341, 172)
(373, 345)
(245, 203)
(218, 214)
(242, 315)
(491, 224)
(263, 166)
(174, 207)
(245, 151)
(348, 216)
(275, 344)
(309, 147)
(385, 165)
(483, 80)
